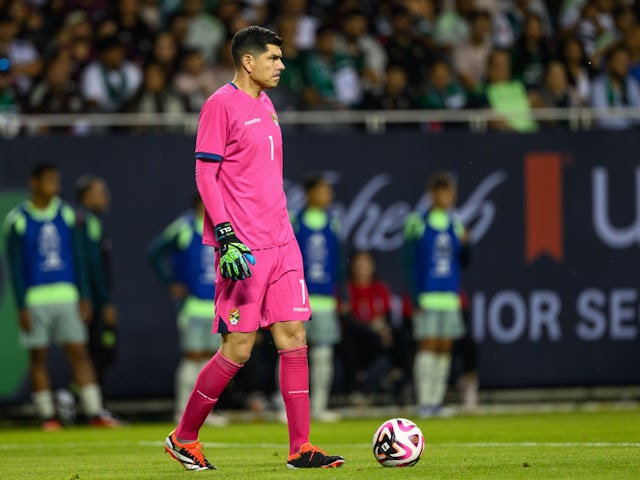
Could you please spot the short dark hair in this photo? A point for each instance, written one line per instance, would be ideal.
(84, 184)
(41, 168)
(312, 180)
(440, 180)
(252, 40)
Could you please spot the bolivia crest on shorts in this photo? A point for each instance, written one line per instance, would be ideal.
(234, 316)
(274, 118)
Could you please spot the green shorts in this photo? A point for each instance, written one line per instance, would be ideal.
(60, 323)
(323, 328)
(195, 322)
(438, 324)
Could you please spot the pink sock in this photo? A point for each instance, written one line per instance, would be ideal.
(294, 385)
(212, 380)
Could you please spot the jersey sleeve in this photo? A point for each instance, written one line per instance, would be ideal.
(213, 132)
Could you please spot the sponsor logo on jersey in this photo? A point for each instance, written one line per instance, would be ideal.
(253, 120)
(274, 118)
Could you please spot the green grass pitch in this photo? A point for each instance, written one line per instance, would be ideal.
(581, 445)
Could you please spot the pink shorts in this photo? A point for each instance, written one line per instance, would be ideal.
(275, 292)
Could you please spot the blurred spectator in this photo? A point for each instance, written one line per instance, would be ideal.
(442, 92)
(204, 31)
(395, 94)
(150, 13)
(632, 42)
(155, 96)
(570, 14)
(306, 25)
(517, 11)
(624, 19)
(195, 82)
(9, 102)
(577, 67)
(367, 333)
(615, 88)
(229, 12)
(178, 27)
(596, 27)
(133, 31)
(26, 63)
(333, 79)
(425, 16)
(223, 70)
(405, 48)
(8, 98)
(31, 23)
(365, 50)
(555, 92)
(506, 96)
(110, 81)
(165, 53)
(96, 9)
(293, 79)
(452, 27)
(56, 92)
(531, 53)
(470, 57)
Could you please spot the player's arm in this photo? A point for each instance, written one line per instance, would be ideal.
(159, 252)
(97, 275)
(13, 230)
(78, 246)
(413, 229)
(341, 267)
(211, 141)
(462, 233)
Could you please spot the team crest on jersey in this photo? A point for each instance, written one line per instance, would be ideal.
(274, 118)
(234, 316)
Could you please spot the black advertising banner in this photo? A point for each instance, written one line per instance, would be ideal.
(554, 219)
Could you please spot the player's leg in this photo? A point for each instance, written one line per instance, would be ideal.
(450, 327)
(287, 298)
(42, 395)
(182, 443)
(323, 332)
(191, 338)
(37, 340)
(238, 307)
(212, 380)
(442, 369)
(70, 332)
(425, 362)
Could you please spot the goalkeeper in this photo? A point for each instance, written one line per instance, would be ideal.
(261, 282)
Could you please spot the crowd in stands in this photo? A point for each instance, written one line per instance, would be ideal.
(153, 56)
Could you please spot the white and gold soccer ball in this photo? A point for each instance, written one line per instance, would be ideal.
(398, 442)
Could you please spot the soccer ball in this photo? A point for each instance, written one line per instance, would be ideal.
(398, 443)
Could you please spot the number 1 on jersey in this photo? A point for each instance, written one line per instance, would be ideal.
(271, 142)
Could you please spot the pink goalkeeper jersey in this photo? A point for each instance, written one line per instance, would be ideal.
(242, 134)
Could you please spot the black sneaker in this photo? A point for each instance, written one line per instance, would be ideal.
(188, 454)
(314, 457)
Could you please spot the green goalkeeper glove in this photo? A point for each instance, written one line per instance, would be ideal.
(233, 253)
